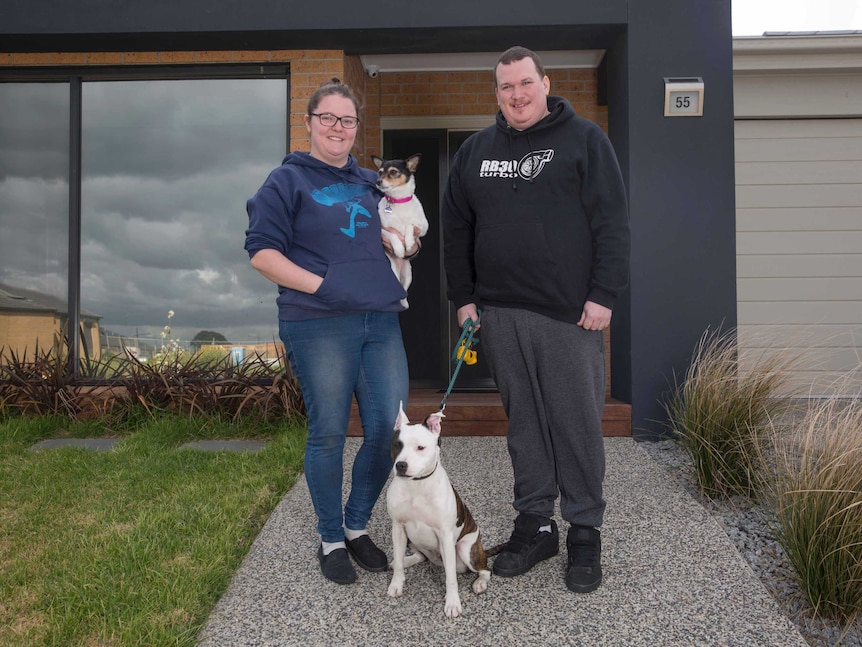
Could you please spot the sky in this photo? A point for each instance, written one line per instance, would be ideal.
(753, 17)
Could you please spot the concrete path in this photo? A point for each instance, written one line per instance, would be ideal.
(671, 575)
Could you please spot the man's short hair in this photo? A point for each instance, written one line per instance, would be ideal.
(518, 53)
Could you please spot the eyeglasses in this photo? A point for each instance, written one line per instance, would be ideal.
(330, 120)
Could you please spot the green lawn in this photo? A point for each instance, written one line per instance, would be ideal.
(132, 546)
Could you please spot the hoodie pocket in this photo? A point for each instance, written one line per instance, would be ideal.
(360, 285)
(515, 264)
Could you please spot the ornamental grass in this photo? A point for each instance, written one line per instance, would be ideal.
(121, 388)
(720, 414)
(816, 497)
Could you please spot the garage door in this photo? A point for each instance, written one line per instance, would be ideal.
(799, 246)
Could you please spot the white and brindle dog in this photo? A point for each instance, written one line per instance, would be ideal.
(427, 512)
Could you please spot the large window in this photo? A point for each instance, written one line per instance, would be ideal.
(166, 168)
(34, 189)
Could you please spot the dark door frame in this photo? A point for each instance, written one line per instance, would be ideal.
(429, 327)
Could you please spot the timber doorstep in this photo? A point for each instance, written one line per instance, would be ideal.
(481, 414)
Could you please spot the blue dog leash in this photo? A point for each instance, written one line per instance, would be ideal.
(462, 351)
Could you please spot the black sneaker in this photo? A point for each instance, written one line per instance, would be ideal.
(366, 554)
(336, 566)
(527, 547)
(584, 570)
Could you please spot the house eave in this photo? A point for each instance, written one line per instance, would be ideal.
(798, 52)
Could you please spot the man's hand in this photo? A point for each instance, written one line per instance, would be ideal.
(468, 311)
(594, 317)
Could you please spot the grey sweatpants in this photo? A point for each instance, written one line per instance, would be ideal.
(551, 377)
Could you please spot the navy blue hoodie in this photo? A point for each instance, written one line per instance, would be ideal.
(325, 220)
(537, 219)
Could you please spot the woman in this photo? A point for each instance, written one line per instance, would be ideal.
(314, 230)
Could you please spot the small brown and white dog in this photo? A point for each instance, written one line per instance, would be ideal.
(400, 210)
(428, 514)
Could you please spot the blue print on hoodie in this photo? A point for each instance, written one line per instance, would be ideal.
(344, 193)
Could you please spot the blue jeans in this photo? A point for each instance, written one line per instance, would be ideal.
(333, 359)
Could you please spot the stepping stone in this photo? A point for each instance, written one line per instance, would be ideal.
(95, 444)
(225, 445)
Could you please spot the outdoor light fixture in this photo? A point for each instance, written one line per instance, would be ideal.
(683, 96)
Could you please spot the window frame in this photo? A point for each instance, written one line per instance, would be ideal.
(76, 76)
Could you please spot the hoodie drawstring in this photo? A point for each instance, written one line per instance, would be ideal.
(512, 157)
(533, 169)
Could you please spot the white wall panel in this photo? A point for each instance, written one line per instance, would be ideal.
(799, 246)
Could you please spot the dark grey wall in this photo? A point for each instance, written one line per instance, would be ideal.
(679, 171)
(681, 193)
(133, 16)
(443, 25)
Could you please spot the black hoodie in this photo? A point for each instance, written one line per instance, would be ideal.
(537, 219)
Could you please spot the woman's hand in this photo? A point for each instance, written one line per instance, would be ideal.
(282, 271)
(407, 252)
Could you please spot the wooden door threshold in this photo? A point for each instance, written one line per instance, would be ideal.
(480, 413)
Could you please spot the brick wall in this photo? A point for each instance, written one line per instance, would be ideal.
(389, 95)
(20, 332)
(422, 94)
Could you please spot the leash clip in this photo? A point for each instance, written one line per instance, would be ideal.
(466, 353)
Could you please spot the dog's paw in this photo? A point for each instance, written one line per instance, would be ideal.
(453, 606)
(398, 249)
(395, 589)
(480, 584)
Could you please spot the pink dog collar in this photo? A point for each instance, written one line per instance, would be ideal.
(392, 200)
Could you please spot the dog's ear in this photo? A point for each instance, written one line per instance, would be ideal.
(378, 161)
(402, 417)
(413, 161)
(433, 421)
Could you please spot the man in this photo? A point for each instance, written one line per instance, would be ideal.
(536, 233)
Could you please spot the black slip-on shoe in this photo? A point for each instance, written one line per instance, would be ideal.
(584, 569)
(336, 566)
(527, 547)
(366, 554)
